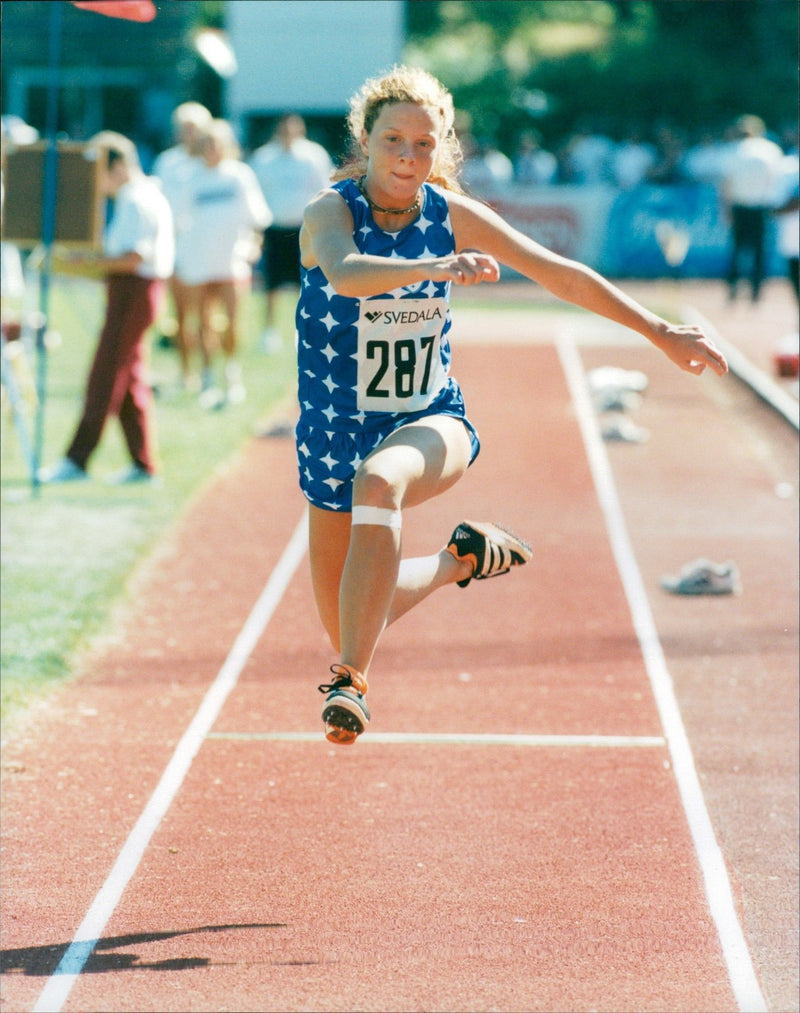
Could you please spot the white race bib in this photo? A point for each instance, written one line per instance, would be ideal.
(399, 354)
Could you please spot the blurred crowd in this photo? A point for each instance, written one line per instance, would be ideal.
(754, 172)
(662, 156)
(749, 164)
(250, 207)
(236, 215)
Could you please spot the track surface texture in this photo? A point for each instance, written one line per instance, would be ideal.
(514, 831)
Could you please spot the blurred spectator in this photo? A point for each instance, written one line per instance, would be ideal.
(189, 121)
(631, 160)
(174, 167)
(749, 190)
(668, 167)
(137, 258)
(290, 169)
(485, 166)
(706, 160)
(532, 164)
(223, 241)
(787, 208)
(587, 155)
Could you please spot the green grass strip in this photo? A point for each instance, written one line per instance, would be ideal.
(69, 551)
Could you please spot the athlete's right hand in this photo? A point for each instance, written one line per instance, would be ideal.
(469, 267)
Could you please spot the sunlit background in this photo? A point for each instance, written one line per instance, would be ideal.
(656, 85)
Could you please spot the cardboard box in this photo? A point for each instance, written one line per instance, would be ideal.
(80, 204)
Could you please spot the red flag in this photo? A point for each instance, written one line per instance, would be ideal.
(131, 10)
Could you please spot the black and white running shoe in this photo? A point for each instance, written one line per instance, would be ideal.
(492, 549)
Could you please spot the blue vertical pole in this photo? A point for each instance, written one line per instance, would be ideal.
(50, 186)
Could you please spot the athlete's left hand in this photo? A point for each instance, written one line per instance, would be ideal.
(690, 348)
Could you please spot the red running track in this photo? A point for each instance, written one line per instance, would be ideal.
(509, 834)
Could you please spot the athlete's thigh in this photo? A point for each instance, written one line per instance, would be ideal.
(328, 542)
(423, 458)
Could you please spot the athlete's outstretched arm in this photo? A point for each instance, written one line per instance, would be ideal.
(476, 225)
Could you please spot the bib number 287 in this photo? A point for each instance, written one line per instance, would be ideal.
(399, 373)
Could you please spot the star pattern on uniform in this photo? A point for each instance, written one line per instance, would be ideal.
(334, 434)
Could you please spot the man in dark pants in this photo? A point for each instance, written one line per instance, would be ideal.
(750, 194)
(291, 169)
(137, 258)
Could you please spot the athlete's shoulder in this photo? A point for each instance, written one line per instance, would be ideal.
(331, 199)
(446, 200)
(326, 213)
(456, 198)
(465, 209)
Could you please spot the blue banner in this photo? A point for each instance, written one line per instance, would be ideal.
(680, 230)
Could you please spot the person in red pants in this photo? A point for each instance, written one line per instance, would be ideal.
(137, 258)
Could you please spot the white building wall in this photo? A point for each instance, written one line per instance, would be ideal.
(308, 55)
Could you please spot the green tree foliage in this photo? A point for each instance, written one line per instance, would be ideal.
(555, 64)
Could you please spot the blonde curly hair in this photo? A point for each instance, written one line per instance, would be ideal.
(404, 84)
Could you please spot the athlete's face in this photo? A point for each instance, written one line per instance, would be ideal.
(401, 149)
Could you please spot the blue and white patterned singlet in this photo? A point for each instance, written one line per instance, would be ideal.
(368, 366)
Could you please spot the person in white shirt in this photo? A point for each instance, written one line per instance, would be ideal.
(787, 210)
(174, 168)
(631, 160)
(533, 165)
(706, 160)
(749, 191)
(588, 155)
(137, 258)
(485, 166)
(291, 169)
(228, 216)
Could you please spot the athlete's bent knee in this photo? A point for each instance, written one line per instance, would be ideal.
(370, 488)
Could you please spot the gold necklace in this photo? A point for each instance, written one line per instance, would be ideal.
(385, 211)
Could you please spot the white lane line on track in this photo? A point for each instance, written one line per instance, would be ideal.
(712, 863)
(457, 739)
(59, 985)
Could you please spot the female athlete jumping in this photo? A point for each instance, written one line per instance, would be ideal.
(382, 422)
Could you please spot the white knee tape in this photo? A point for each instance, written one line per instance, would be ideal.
(377, 515)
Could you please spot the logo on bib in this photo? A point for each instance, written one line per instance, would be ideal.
(391, 317)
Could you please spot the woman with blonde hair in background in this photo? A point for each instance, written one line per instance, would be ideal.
(227, 219)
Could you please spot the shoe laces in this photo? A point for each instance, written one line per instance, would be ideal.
(344, 677)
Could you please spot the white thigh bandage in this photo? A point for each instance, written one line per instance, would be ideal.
(377, 515)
